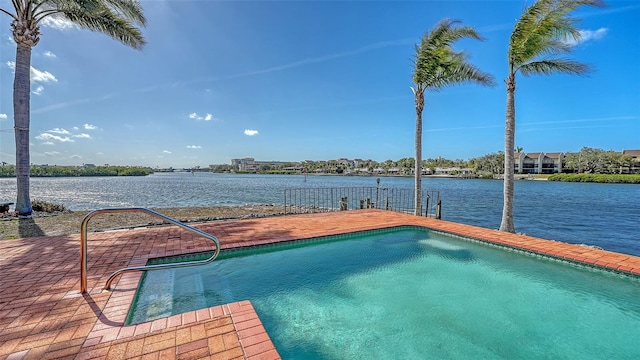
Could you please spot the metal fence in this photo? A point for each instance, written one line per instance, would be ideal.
(314, 200)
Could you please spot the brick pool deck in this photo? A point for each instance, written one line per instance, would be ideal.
(43, 315)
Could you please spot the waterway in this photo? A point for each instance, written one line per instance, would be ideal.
(603, 215)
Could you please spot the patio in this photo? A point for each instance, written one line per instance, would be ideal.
(43, 315)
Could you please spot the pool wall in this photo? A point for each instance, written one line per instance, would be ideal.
(42, 313)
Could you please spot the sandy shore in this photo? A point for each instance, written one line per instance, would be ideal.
(45, 224)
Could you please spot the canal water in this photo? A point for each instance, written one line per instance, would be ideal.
(604, 215)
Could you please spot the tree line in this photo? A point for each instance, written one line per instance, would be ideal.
(587, 160)
(60, 171)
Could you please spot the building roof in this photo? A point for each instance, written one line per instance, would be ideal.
(632, 153)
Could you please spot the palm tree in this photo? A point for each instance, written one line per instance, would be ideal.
(119, 19)
(543, 32)
(437, 66)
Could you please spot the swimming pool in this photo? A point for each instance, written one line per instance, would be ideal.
(410, 293)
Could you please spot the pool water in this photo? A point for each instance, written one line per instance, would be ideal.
(410, 293)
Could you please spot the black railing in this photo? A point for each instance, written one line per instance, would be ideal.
(315, 200)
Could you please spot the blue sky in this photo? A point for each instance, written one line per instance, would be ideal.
(310, 80)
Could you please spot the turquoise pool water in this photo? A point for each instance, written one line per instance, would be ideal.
(411, 293)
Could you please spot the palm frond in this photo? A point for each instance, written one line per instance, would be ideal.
(438, 65)
(109, 23)
(438, 31)
(533, 29)
(544, 30)
(18, 6)
(447, 31)
(458, 73)
(545, 23)
(544, 48)
(555, 47)
(129, 9)
(550, 66)
(528, 21)
(8, 13)
(115, 18)
(468, 73)
(63, 5)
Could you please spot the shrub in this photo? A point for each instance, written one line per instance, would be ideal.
(599, 178)
(44, 206)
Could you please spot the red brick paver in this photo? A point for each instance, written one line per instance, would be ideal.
(44, 316)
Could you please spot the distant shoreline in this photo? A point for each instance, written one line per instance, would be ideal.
(563, 177)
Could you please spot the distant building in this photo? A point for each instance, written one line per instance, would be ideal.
(635, 154)
(251, 165)
(452, 171)
(345, 162)
(537, 163)
(634, 168)
(551, 163)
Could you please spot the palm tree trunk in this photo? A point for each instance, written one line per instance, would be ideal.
(21, 116)
(509, 142)
(418, 164)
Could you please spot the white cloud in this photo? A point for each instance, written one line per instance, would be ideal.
(3, 116)
(49, 54)
(195, 116)
(194, 147)
(595, 35)
(90, 127)
(50, 137)
(83, 136)
(250, 132)
(166, 152)
(58, 22)
(42, 76)
(38, 90)
(59, 131)
(75, 157)
(10, 39)
(587, 35)
(38, 77)
(48, 143)
(51, 153)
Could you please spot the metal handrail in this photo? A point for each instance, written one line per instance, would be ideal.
(107, 286)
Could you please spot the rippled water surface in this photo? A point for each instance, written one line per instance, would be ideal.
(605, 215)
